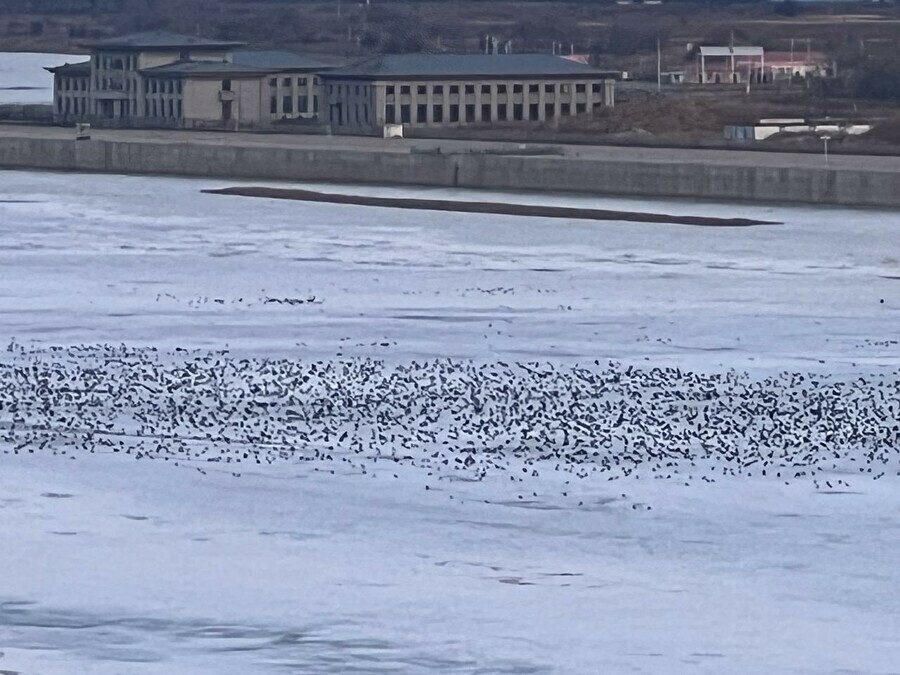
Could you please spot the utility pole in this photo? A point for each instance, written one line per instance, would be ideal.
(658, 66)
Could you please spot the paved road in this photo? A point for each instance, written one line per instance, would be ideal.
(363, 143)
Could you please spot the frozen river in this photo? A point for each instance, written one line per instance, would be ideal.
(184, 562)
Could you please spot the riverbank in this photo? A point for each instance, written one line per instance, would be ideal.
(643, 172)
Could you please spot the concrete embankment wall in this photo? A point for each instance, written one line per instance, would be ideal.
(467, 170)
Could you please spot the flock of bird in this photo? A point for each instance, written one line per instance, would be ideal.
(449, 416)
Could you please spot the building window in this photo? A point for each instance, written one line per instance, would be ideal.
(486, 112)
(421, 113)
(534, 88)
(501, 112)
(533, 111)
(301, 81)
(579, 89)
(315, 104)
(437, 113)
(286, 82)
(548, 88)
(485, 89)
(548, 110)
(517, 111)
(501, 88)
(404, 89)
(287, 105)
(420, 89)
(302, 104)
(517, 88)
(226, 85)
(273, 105)
(389, 90)
(595, 87)
(565, 88)
(273, 81)
(454, 89)
(470, 88)
(580, 108)
(438, 89)
(454, 113)
(470, 113)
(390, 114)
(405, 114)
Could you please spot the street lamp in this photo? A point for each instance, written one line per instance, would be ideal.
(825, 140)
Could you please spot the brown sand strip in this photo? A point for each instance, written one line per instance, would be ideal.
(532, 210)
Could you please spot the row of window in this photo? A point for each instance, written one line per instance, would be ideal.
(154, 86)
(347, 89)
(408, 114)
(128, 62)
(342, 114)
(116, 83)
(287, 105)
(66, 105)
(73, 84)
(580, 88)
(289, 81)
(164, 108)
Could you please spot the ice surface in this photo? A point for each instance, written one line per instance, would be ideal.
(23, 78)
(114, 565)
(142, 260)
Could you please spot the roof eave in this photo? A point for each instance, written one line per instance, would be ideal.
(465, 76)
(100, 46)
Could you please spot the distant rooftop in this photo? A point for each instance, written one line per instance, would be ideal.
(245, 62)
(160, 39)
(204, 68)
(449, 66)
(82, 68)
(277, 60)
(731, 51)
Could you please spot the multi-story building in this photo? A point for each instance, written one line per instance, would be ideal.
(460, 90)
(161, 79)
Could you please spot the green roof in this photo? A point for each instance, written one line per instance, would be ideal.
(448, 66)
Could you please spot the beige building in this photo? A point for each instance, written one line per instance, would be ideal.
(160, 79)
(460, 90)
